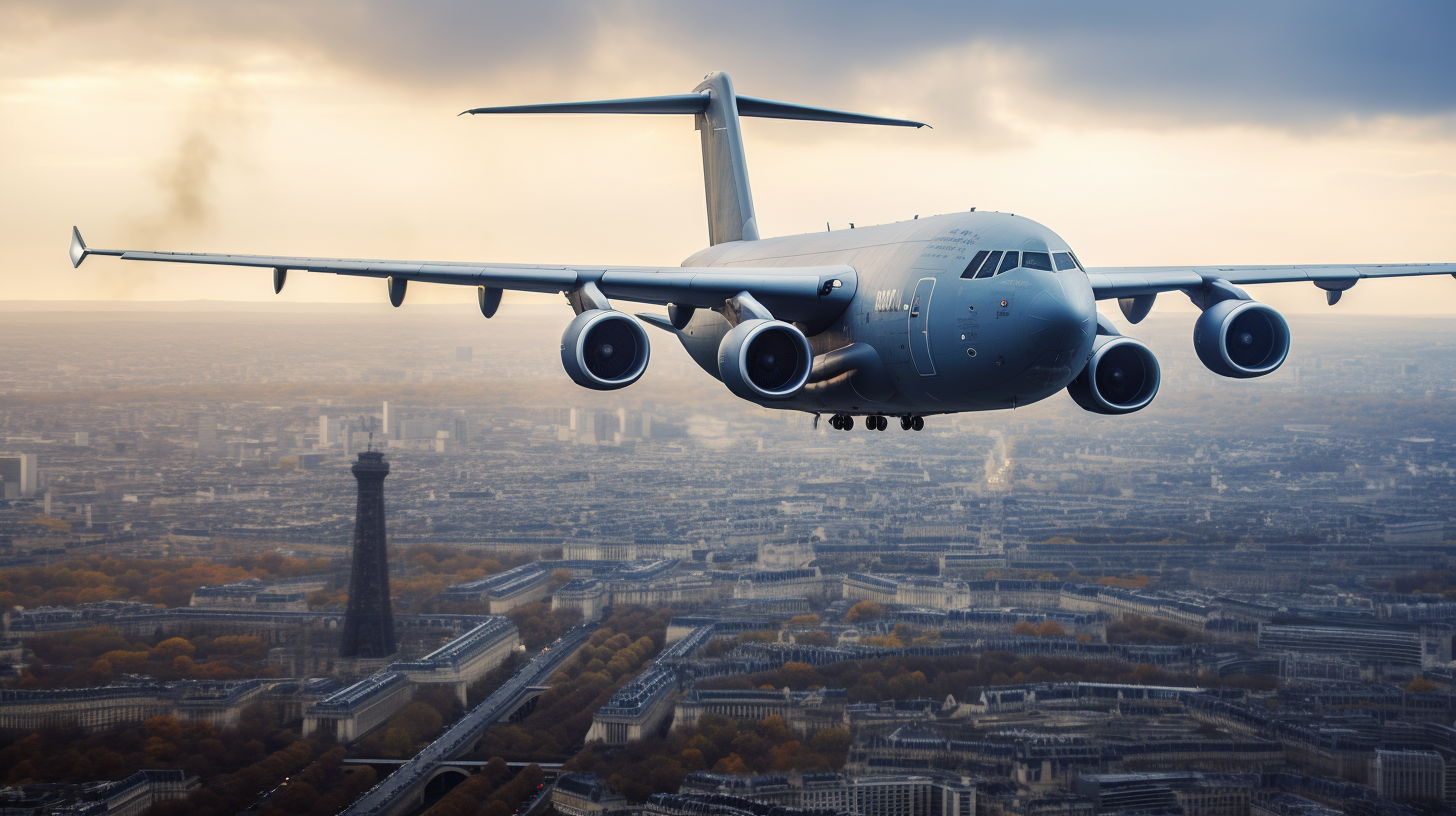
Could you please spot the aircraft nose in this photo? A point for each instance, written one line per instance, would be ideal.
(1055, 323)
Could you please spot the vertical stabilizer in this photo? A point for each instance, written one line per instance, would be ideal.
(715, 108)
(725, 169)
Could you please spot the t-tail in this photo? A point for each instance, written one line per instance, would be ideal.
(716, 109)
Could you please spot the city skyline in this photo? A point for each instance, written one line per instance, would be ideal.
(1133, 593)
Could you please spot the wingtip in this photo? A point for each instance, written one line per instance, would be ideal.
(78, 247)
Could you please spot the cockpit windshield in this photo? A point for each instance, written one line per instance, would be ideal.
(987, 263)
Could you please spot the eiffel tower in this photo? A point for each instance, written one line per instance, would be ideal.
(369, 622)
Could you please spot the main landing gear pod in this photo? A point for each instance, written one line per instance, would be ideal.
(764, 360)
(1122, 376)
(603, 349)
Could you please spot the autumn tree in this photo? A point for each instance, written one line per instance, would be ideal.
(865, 611)
(658, 764)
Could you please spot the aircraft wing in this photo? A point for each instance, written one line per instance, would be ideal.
(806, 294)
(1133, 281)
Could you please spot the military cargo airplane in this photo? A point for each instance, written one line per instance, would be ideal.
(972, 311)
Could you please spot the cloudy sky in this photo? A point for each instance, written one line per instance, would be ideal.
(1143, 133)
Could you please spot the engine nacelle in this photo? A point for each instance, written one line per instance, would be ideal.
(1121, 376)
(1241, 338)
(604, 349)
(764, 360)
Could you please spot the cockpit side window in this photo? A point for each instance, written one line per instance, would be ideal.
(1037, 260)
(1064, 261)
(1009, 262)
(1077, 261)
(989, 267)
(975, 264)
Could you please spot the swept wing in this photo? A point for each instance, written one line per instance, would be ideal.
(807, 294)
(1134, 281)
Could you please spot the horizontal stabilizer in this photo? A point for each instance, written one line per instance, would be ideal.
(697, 103)
(677, 103)
(771, 109)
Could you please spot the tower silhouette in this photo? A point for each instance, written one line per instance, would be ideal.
(369, 622)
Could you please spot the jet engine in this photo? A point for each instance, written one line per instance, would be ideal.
(1241, 338)
(1122, 376)
(764, 360)
(604, 349)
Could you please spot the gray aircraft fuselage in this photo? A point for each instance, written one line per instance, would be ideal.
(948, 344)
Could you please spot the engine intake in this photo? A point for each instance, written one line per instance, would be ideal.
(764, 360)
(604, 349)
(1241, 338)
(1122, 376)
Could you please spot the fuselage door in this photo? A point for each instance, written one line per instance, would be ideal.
(919, 316)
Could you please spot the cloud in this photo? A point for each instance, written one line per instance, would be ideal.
(1297, 65)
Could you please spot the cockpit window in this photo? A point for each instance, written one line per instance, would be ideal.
(1037, 260)
(986, 263)
(1077, 261)
(975, 264)
(989, 268)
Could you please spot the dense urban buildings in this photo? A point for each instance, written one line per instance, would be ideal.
(1239, 601)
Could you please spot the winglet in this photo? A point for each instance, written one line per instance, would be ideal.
(78, 248)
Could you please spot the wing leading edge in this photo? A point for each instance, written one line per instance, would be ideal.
(1135, 281)
(809, 294)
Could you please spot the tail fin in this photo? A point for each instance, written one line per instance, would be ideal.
(725, 170)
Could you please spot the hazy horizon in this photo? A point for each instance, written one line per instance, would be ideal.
(1316, 134)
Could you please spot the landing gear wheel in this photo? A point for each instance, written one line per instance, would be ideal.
(905, 423)
(918, 423)
(848, 423)
(834, 422)
(881, 423)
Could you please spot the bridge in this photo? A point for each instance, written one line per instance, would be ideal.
(402, 791)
